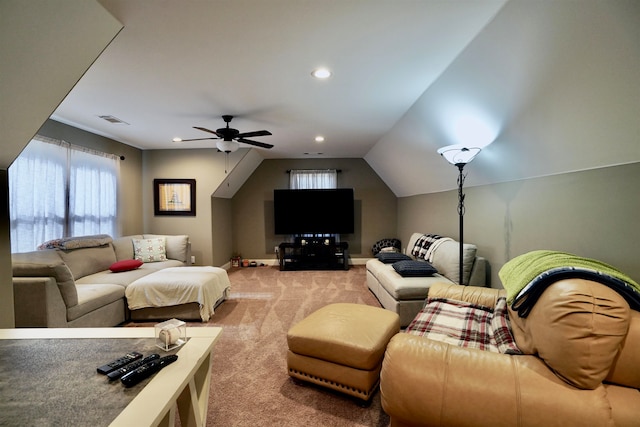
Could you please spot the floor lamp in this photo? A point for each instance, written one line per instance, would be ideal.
(459, 156)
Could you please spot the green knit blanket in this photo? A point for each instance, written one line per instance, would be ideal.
(521, 270)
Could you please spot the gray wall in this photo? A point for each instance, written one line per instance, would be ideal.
(130, 195)
(221, 230)
(590, 213)
(207, 167)
(253, 234)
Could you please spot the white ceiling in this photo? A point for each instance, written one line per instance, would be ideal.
(179, 64)
(552, 85)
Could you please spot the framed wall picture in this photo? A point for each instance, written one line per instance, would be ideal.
(174, 197)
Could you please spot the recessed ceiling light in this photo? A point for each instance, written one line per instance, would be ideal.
(321, 73)
(176, 139)
(319, 138)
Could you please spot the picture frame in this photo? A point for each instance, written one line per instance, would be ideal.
(174, 197)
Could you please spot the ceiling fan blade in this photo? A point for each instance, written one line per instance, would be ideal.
(256, 143)
(207, 130)
(196, 139)
(254, 133)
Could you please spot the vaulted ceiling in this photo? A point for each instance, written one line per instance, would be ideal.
(551, 85)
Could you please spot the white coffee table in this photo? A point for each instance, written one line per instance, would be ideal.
(182, 386)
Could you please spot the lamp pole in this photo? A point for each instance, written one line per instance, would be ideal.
(459, 156)
(460, 166)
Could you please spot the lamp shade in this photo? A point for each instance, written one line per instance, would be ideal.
(459, 154)
(227, 146)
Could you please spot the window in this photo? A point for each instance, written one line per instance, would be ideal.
(61, 190)
(313, 178)
(301, 179)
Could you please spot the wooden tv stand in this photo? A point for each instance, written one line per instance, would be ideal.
(314, 253)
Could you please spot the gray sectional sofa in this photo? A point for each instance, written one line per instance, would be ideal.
(71, 285)
(406, 295)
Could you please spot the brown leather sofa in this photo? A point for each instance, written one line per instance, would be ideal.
(581, 366)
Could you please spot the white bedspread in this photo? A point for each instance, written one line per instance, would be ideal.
(180, 285)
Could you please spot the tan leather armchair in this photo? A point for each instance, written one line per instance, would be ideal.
(581, 366)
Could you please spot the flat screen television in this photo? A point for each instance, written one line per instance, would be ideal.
(314, 211)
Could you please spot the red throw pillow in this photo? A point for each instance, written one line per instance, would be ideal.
(125, 265)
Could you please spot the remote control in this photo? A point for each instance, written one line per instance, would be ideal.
(119, 363)
(145, 371)
(114, 375)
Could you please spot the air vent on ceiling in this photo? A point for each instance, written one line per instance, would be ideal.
(114, 120)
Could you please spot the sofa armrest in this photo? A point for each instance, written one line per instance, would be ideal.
(472, 294)
(426, 382)
(38, 303)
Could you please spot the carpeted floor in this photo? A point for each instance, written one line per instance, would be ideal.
(250, 385)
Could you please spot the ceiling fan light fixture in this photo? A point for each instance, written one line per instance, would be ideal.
(321, 73)
(177, 139)
(227, 146)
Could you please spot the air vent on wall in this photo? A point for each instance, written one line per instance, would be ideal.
(114, 120)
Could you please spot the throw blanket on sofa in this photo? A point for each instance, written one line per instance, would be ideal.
(466, 325)
(525, 277)
(69, 243)
(426, 245)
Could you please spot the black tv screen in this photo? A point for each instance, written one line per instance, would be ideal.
(314, 211)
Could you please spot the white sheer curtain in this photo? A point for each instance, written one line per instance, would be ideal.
(300, 179)
(93, 187)
(58, 190)
(313, 178)
(37, 194)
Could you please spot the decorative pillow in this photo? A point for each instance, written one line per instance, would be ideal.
(386, 243)
(176, 245)
(411, 268)
(391, 257)
(125, 265)
(150, 250)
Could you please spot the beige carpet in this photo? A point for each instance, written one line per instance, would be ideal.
(250, 386)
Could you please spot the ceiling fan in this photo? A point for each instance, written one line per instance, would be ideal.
(229, 136)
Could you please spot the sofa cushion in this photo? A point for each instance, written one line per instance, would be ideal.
(446, 259)
(176, 246)
(123, 246)
(46, 263)
(391, 257)
(150, 249)
(125, 265)
(577, 327)
(93, 297)
(406, 288)
(85, 261)
(411, 268)
(124, 278)
(625, 368)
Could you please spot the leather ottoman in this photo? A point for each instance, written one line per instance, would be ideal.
(341, 346)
